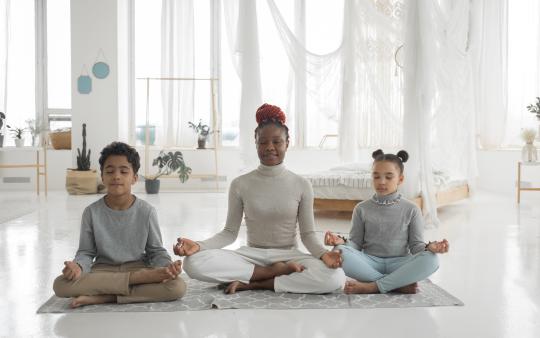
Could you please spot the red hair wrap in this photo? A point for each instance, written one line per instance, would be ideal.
(268, 112)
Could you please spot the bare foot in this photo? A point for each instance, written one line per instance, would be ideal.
(282, 268)
(355, 286)
(236, 286)
(409, 289)
(90, 300)
(146, 276)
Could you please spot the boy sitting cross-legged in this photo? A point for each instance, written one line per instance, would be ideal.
(120, 258)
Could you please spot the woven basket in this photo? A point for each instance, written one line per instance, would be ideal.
(61, 139)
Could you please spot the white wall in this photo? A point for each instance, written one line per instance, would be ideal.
(94, 27)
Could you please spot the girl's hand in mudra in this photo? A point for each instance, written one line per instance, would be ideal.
(438, 247)
(332, 239)
(332, 259)
(186, 247)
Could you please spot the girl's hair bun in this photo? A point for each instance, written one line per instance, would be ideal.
(377, 153)
(403, 155)
(268, 112)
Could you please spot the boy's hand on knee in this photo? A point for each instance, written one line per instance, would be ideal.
(186, 247)
(332, 239)
(332, 259)
(71, 271)
(174, 269)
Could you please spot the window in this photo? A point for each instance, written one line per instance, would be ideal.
(22, 68)
(21, 104)
(58, 64)
(324, 22)
(172, 42)
(58, 54)
(154, 43)
(523, 67)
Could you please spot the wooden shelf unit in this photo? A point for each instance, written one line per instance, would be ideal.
(41, 168)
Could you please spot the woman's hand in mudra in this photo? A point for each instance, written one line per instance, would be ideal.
(332, 259)
(186, 247)
(332, 239)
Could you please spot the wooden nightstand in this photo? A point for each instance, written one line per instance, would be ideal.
(519, 188)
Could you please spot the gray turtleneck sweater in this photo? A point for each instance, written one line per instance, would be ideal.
(387, 226)
(120, 236)
(273, 200)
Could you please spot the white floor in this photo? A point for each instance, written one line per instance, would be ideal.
(493, 267)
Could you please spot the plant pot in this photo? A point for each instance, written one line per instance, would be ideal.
(201, 143)
(19, 142)
(151, 186)
(81, 182)
(528, 153)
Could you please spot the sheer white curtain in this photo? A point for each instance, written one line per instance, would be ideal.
(489, 48)
(177, 60)
(4, 43)
(523, 67)
(242, 33)
(428, 108)
(359, 79)
(439, 123)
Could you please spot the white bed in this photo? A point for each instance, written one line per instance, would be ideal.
(342, 187)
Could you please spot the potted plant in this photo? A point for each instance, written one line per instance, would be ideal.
(528, 152)
(2, 118)
(203, 131)
(18, 135)
(35, 130)
(168, 163)
(535, 108)
(82, 180)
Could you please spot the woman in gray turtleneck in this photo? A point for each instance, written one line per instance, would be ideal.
(276, 204)
(386, 249)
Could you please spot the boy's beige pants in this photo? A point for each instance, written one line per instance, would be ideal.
(105, 279)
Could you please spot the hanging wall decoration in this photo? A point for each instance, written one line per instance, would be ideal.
(101, 67)
(84, 82)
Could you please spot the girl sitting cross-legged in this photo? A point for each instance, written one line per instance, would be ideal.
(386, 249)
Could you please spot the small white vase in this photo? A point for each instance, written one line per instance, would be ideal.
(529, 153)
(19, 142)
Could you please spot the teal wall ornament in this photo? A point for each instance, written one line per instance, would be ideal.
(100, 69)
(84, 82)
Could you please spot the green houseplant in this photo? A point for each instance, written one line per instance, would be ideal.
(2, 118)
(18, 135)
(168, 163)
(35, 130)
(203, 131)
(82, 180)
(83, 159)
(535, 108)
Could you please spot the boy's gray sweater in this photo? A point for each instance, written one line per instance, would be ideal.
(120, 236)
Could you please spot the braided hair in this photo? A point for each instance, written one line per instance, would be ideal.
(268, 114)
(401, 157)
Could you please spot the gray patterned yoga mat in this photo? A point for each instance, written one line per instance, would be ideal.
(206, 296)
